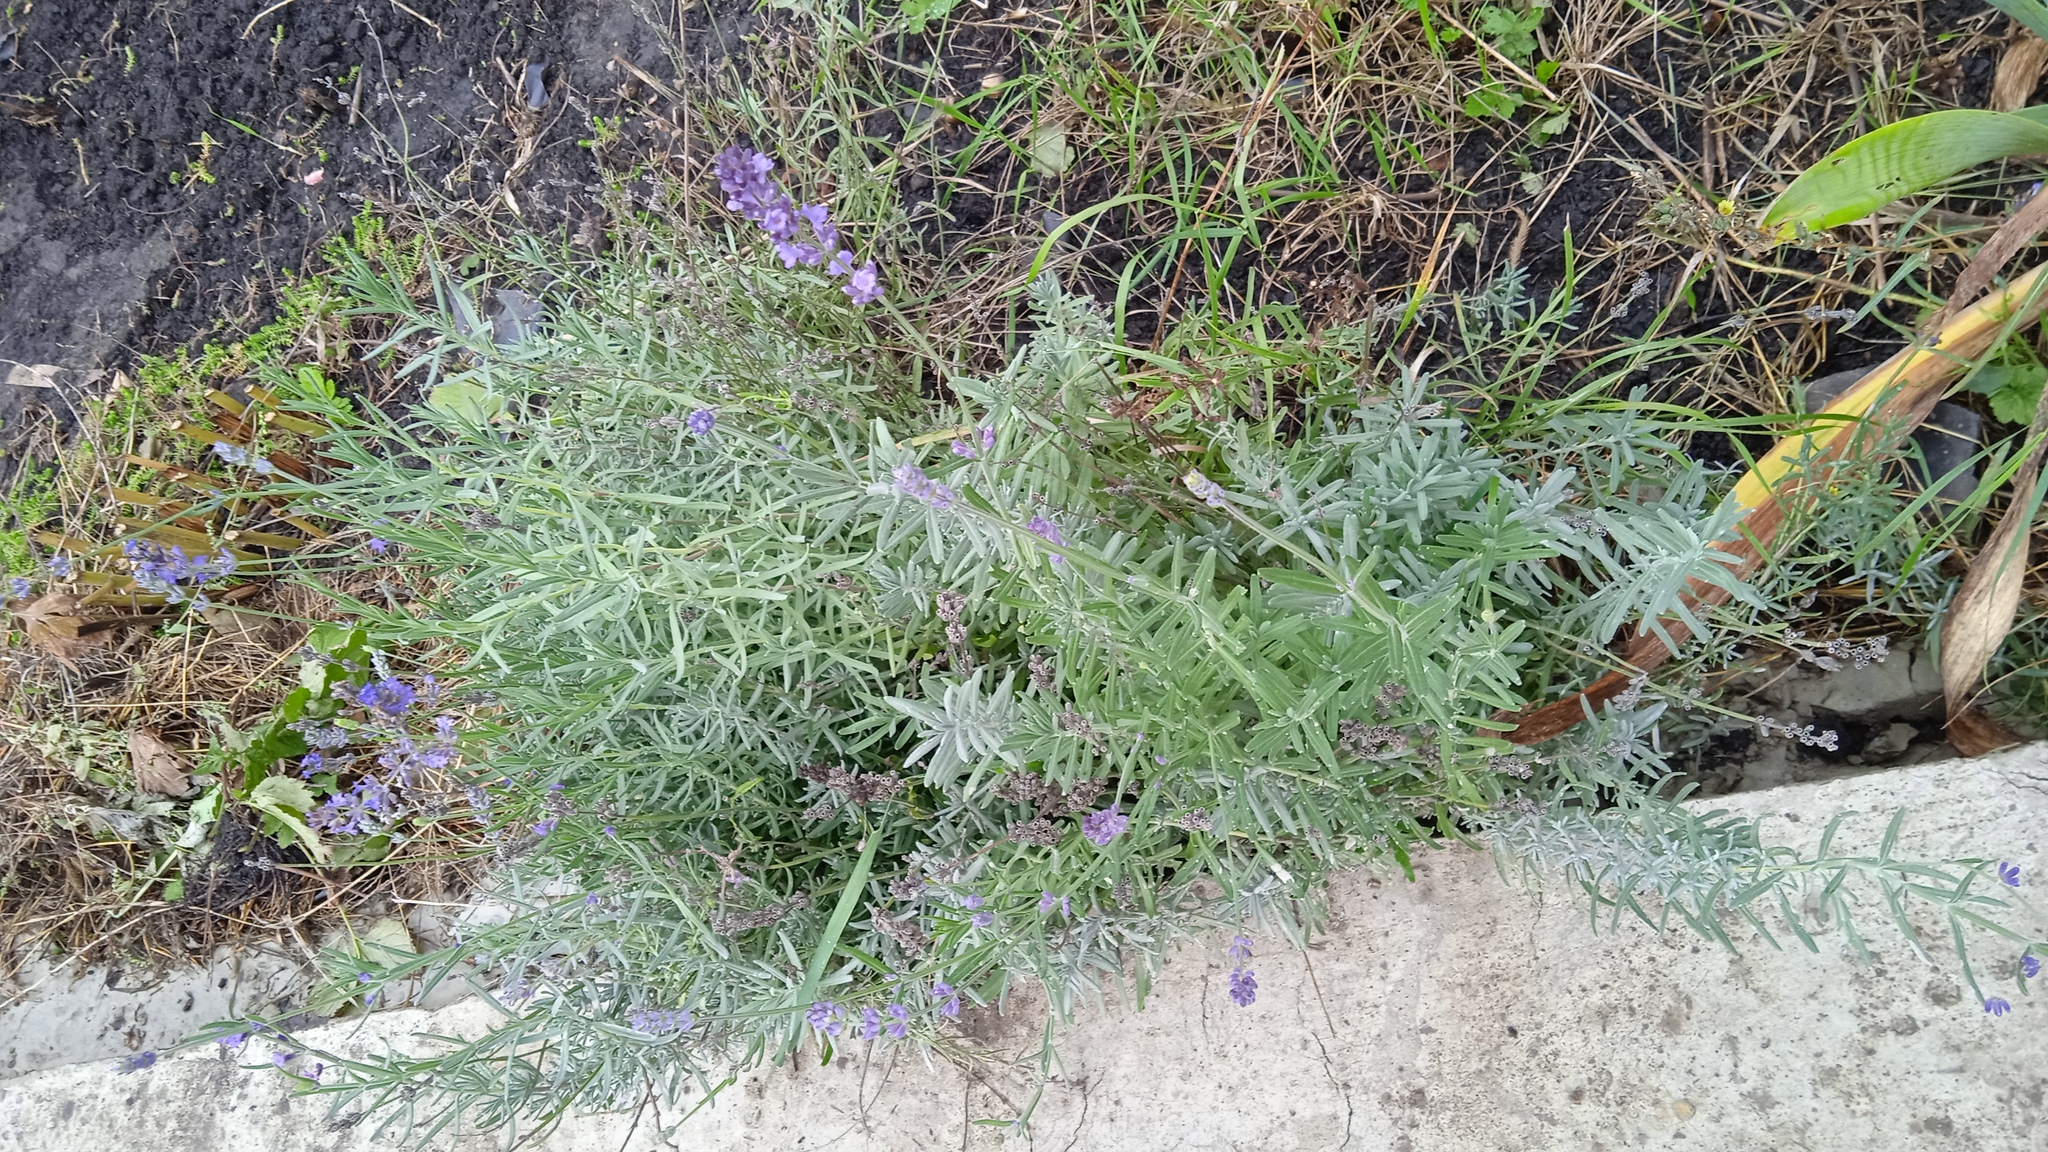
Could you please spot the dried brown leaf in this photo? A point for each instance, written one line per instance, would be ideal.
(1983, 609)
(159, 769)
(53, 626)
(2019, 73)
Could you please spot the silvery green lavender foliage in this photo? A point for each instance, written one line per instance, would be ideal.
(823, 703)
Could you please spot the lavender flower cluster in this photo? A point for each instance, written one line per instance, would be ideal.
(743, 174)
(1244, 987)
(912, 482)
(1102, 827)
(893, 1020)
(241, 457)
(374, 803)
(661, 1021)
(167, 571)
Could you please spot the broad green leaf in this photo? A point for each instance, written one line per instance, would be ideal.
(2031, 14)
(468, 401)
(288, 800)
(1050, 152)
(1900, 159)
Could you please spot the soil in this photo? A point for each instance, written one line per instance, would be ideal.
(166, 164)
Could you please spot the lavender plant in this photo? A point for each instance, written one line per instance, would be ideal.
(826, 706)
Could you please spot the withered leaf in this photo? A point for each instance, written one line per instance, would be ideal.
(159, 769)
(52, 625)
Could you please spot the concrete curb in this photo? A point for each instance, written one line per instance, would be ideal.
(1455, 1013)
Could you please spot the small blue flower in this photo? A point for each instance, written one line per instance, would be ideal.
(870, 1023)
(21, 586)
(1997, 1006)
(60, 567)
(2009, 873)
(982, 919)
(546, 827)
(1046, 902)
(701, 421)
(971, 901)
(948, 998)
(611, 830)
(233, 1040)
(364, 978)
(136, 1063)
(283, 1058)
(899, 1021)
(377, 546)
(2030, 966)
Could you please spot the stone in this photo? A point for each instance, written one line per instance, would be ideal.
(1458, 1011)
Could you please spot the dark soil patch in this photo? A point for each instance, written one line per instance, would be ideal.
(155, 161)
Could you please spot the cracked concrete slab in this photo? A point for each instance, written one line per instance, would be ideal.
(1456, 1012)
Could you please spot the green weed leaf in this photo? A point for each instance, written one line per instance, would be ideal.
(1900, 159)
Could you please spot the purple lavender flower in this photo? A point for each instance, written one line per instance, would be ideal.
(948, 998)
(2009, 873)
(233, 1041)
(865, 286)
(826, 1017)
(700, 422)
(136, 1063)
(971, 901)
(389, 695)
(60, 567)
(870, 1023)
(166, 571)
(982, 919)
(899, 1022)
(661, 1021)
(1045, 530)
(911, 481)
(546, 827)
(364, 977)
(987, 432)
(1244, 987)
(20, 586)
(1046, 902)
(366, 808)
(1206, 490)
(1102, 827)
(963, 448)
(795, 252)
(1997, 1006)
(2030, 966)
(283, 1058)
(377, 545)
(1240, 950)
(821, 226)
(611, 830)
(841, 264)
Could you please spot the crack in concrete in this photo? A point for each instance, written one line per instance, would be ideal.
(1329, 1069)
